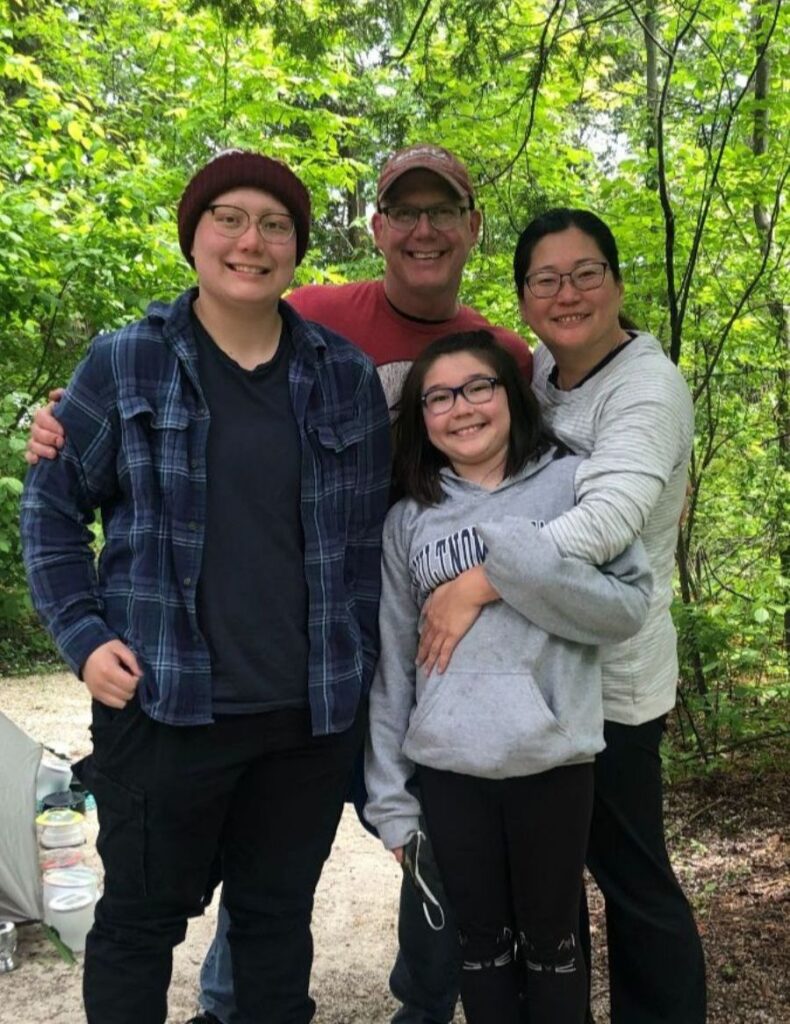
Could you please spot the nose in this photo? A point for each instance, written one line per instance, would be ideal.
(250, 237)
(572, 292)
(462, 406)
(423, 225)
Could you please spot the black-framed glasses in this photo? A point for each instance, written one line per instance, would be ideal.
(232, 222)
(544, 284)
(442, 217)
(476, 391)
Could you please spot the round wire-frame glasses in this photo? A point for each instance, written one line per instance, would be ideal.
(232, 222)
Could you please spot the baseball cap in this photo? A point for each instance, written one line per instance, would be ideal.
(426, 157)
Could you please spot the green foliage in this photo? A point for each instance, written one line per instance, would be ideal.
(109, 105)
(12, 588)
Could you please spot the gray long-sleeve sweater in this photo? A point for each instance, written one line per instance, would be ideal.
(635, 421)
(522, 693)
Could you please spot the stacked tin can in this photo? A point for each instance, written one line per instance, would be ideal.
(70, 888)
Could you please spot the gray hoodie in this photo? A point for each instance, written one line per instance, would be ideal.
(522, 693)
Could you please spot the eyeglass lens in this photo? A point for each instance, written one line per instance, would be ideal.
(232, 222)
(475, 391)
(545, 283)
(440, 217)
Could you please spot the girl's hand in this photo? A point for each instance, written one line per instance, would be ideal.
(448, 614)
(397, 853)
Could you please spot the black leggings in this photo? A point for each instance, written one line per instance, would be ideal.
(511, 855)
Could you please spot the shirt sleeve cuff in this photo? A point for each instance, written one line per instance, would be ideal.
(397, 831)
(81, 640)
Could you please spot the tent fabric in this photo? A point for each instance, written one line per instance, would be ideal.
(21, 897)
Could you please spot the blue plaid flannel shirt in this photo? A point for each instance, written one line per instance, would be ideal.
(136, 424)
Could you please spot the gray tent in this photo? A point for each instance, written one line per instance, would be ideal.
(20, 877)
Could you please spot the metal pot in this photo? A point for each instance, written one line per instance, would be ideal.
(7, 946)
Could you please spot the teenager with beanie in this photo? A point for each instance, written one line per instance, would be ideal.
(239, 457)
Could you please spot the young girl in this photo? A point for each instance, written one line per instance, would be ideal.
(503, 741)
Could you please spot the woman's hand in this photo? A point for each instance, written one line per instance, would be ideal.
(448, 614)
(46, 433)
(112, 673)
(397, 853)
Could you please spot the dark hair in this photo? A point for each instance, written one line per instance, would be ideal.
(417, 461)
(560, 219)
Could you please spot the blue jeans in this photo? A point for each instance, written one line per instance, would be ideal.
(216, 973)
(425, 976)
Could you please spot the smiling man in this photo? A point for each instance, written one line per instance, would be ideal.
(425, 227)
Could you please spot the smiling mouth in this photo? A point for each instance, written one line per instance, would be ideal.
(247, 268)
(571, 318)
(474, 428)
(425, 256)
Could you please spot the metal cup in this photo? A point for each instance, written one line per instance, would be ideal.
(8, 940)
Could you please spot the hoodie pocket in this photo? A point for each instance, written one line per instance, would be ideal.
(493, 726)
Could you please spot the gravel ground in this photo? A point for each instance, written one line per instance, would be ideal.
(730, 846)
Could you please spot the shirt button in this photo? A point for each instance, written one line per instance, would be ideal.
(187, 581)
(195, 463)
(193, 525)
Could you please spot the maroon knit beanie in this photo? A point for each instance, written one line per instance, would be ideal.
(237, 168)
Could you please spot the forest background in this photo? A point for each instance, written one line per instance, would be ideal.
(670, 119)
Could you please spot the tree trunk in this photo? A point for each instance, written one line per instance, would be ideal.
(653, 92)
(779, 312)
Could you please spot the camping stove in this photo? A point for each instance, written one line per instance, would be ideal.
(7, 947)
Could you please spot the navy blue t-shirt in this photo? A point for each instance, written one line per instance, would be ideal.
(252, 593)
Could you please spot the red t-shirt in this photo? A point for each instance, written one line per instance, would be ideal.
(360, 312)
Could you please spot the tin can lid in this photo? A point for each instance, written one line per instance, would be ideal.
(70, 901)
(60, 816)
(61, 857)
(77, 877)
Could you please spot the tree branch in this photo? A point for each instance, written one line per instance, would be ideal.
(533, 88)
(749, 288)
(412, 38)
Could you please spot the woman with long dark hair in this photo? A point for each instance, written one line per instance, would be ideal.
(608, 391)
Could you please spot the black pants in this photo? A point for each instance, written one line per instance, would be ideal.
(511, 854)
(426, 974)
(656, 964)
(258, 790)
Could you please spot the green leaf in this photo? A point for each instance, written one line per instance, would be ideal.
(63, 950)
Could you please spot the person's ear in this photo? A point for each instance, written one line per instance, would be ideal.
(377, 227)
(475, 224)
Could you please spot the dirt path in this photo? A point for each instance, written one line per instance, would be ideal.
(730, 848)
